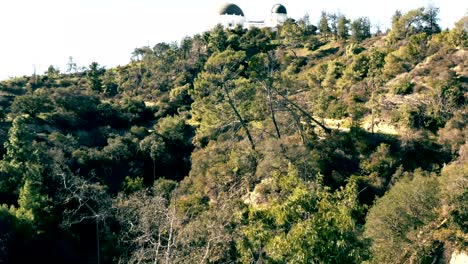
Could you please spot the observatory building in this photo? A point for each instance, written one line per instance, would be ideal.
(230, 16)
(278, 15)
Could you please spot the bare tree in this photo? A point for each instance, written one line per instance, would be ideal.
(83, 201)
(149, 228)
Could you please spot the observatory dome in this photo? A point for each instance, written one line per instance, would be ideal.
(230, 9)
(279, 9)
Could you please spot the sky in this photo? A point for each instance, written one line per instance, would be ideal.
(37, 33)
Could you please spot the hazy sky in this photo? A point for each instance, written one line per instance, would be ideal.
(39, 33)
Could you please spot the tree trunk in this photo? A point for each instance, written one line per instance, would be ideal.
(298, 124)
(154, 170)
(97, 242)
(309, 116)
(272, 112)
(241, 120)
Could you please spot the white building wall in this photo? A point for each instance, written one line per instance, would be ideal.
(231, 21)
(277, 19)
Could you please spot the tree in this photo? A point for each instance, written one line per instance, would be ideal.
(264, 73)
(397, 222)
(333, 22)
(33, 205)
(94, 76)
(396, 28)
(421, 20)
(32, 104)
(407, 56)
(454, 189)
(458, 36)
(342, 30)
(172, 128)
(295, 221)
(218, 39)
(360, 29)
(186, 46)
(110, 82)
(454, 134)
(52, 72)
(71, 65)
(83, 201)
(20, 156)
(149, 228)
(324, 27)
(220, 95)
(307, 28)
(257, 40)
(380, 166)
(292, 34)
(154, 146)
(431, 20)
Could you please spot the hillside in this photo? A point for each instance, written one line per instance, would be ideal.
(299, 144)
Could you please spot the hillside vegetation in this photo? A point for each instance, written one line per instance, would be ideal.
(302, 144)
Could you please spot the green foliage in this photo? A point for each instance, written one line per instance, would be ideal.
(212, 150)
(180, 95)
(313, 43)
(447, 95)
(292, 34)
(324, 27)
(132, 185)
(301, 222)
(454, 185)
(33, 206)
(110, 83)
(94, 77)
(218, 39)
(356, 71)
(32, 104)
(407, 56)
(360, 29)
(410, 116)
(458, 36)
(380, 166)
(221, 96)
(453, 135)
(397, 220)
(421, 20)
(164, 187)
(13, 231)
(343, 27)
(334, 72)
(52, 73)
(376, 62)
(403, 87)
(21, 160)
(154, 146)
(172, 128)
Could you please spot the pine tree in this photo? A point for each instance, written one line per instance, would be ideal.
(324, 27)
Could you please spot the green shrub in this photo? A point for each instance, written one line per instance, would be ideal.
(403, 87)
(396, 222)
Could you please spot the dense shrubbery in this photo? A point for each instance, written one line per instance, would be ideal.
(244, 146)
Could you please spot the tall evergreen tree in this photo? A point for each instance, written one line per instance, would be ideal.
(361, 29)
(343, 27)
(324, 27)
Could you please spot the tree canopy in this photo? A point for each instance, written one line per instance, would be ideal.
(325, 143)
